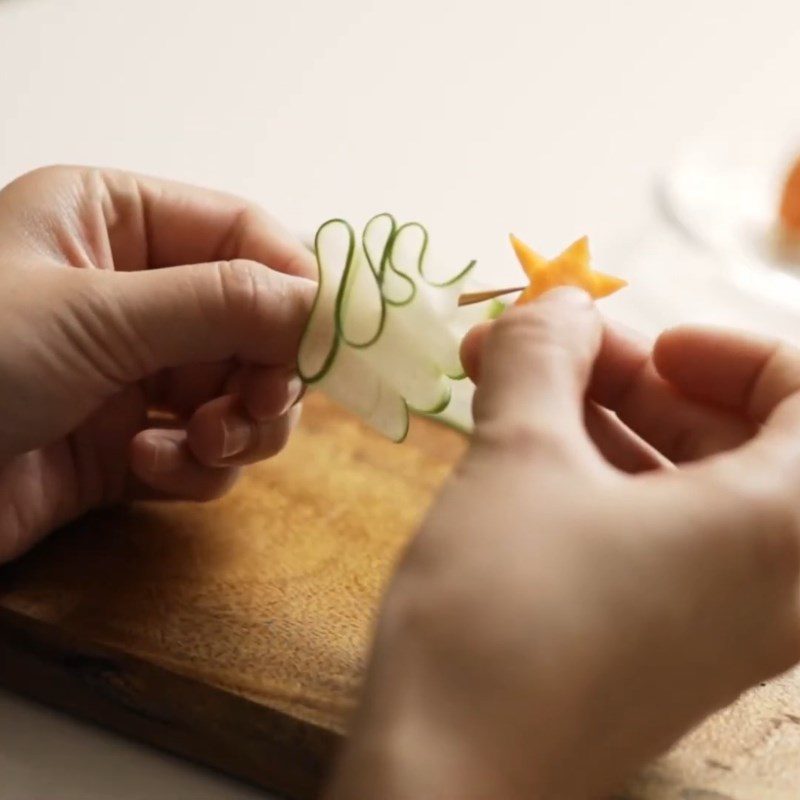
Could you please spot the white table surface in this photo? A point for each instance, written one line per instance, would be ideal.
(551, 119)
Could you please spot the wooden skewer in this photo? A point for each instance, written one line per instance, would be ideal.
(468, 298)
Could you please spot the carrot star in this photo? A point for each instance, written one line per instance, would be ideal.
(571, 268)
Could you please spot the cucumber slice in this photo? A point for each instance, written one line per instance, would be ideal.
(458, 413)
(361, 323)
(333, 245)
(353, 384)
(383, 336)
(407, 368)
(411, 255)
(398, 286)
(360, 310)
(378, 235)
(426, 317)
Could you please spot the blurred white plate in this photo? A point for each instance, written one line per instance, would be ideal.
(674, 282)
(723, 191)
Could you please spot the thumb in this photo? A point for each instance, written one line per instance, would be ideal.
(535, 362)
(200, 313)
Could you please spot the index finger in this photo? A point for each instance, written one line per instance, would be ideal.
(112, 219)
(184, 224)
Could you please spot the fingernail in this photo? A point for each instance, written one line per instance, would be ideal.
(236, 434)
(567, 295)
(163, 453)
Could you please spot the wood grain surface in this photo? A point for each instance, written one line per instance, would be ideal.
(235, 633)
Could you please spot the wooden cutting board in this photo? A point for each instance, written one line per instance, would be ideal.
(235, 633)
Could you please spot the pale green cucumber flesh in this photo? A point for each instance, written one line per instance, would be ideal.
(364, 297)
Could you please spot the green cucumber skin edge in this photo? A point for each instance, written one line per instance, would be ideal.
(438, 408)
(400, 274)
(386, 261)
(420, 261)
(496, 309)
(408, 425)
(377, 274)
(420, 271)
(386, 250)
(328, 362)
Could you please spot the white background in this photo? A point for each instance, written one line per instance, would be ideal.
(551, 119)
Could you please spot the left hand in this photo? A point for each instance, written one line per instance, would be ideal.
(150, 332)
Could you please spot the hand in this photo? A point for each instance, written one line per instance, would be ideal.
(125, 372)
(558, 621)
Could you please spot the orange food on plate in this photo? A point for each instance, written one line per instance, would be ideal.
(571, 268)
(790, 201)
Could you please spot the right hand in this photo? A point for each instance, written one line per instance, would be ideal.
(560, 620)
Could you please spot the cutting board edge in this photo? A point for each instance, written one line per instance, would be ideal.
(153, 705)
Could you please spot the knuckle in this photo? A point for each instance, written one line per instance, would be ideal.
(519, 438)
(243, 286)
(258, 300)
(95, 329)
(303, 264)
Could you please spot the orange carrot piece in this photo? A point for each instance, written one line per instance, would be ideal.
(790, 201)
(571, 268)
